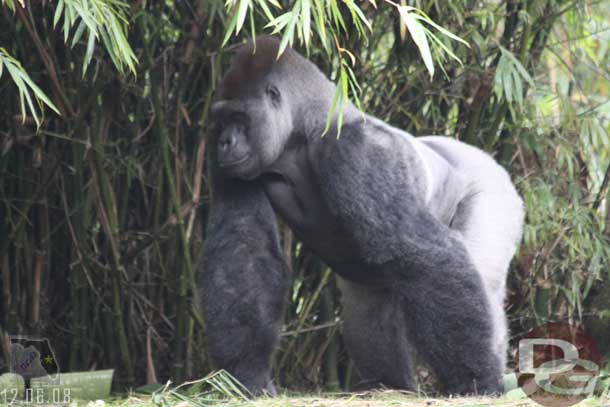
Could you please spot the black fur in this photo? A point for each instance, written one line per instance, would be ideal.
(245, 282)
(359, 202)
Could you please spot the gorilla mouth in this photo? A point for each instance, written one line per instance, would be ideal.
(234, 162)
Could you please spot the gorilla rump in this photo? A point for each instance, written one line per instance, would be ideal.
(420, 231)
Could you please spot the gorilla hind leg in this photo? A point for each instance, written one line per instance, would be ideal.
(375, 337)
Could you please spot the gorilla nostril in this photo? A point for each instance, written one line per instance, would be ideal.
(228, 142)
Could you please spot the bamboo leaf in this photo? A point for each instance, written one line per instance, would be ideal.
(263, 5)
(498, 78)
(336, 15)
(38, 92)
(10, 4)
(306, 13)
(288, 35)
(344, 97)
(242, 12)
(443, 30)
(89, 52)
(507, 84)
(353, 7)
(443, 46)
(66, 28)
(524, 74)
(110, 48)
(30, 103)
(274, 3)
(280, 22)
(319, 18)
(252, 27)
(58, 12)
(229, 29)
(14, 73)
(518, 86)
(127, 56)
(24, 84)
(331, 111)
(419, 37)
(79, 33)
(86, 17)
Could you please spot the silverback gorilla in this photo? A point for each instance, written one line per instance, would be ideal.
(420, 231)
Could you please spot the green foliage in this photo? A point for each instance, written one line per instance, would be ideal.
(329, 25)
(510, 74)
(413, 19)
(105, 19)
(11, 4)
(25, 85)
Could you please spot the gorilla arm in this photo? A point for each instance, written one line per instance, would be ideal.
(372, 184)
(244, 282)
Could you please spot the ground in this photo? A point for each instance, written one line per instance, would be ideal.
(377, 399)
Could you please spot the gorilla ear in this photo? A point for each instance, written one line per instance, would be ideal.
(274, 94)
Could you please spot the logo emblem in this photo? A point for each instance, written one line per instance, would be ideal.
(557, 365)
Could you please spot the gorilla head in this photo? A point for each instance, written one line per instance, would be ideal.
(259, 103)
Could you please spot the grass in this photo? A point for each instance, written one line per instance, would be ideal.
(373, 399)
(221, 389)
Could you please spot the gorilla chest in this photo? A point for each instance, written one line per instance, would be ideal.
(297, 200)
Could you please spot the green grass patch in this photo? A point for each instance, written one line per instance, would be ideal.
(371, 399)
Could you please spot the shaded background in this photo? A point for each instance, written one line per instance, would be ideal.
(103, 207)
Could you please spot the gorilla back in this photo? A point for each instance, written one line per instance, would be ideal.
(410, 225)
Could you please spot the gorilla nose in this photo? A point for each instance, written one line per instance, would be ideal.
(227, 141)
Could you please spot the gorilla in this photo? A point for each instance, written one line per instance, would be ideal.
(420, 231)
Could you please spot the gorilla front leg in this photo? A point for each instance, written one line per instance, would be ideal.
(244, 283)
(449, 321)
(439, 301)
(402, 246)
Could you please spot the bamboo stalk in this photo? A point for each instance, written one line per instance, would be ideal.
(307, 308)
(331, 368)
(108, 218)
(185, 274)
(36, 286)
(7, 298)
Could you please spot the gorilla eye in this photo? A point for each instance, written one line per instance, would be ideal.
(273, 93)
(216, 124)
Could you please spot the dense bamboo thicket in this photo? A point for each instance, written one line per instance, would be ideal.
(104, 109)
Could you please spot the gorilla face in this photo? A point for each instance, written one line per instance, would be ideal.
(251, 129)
